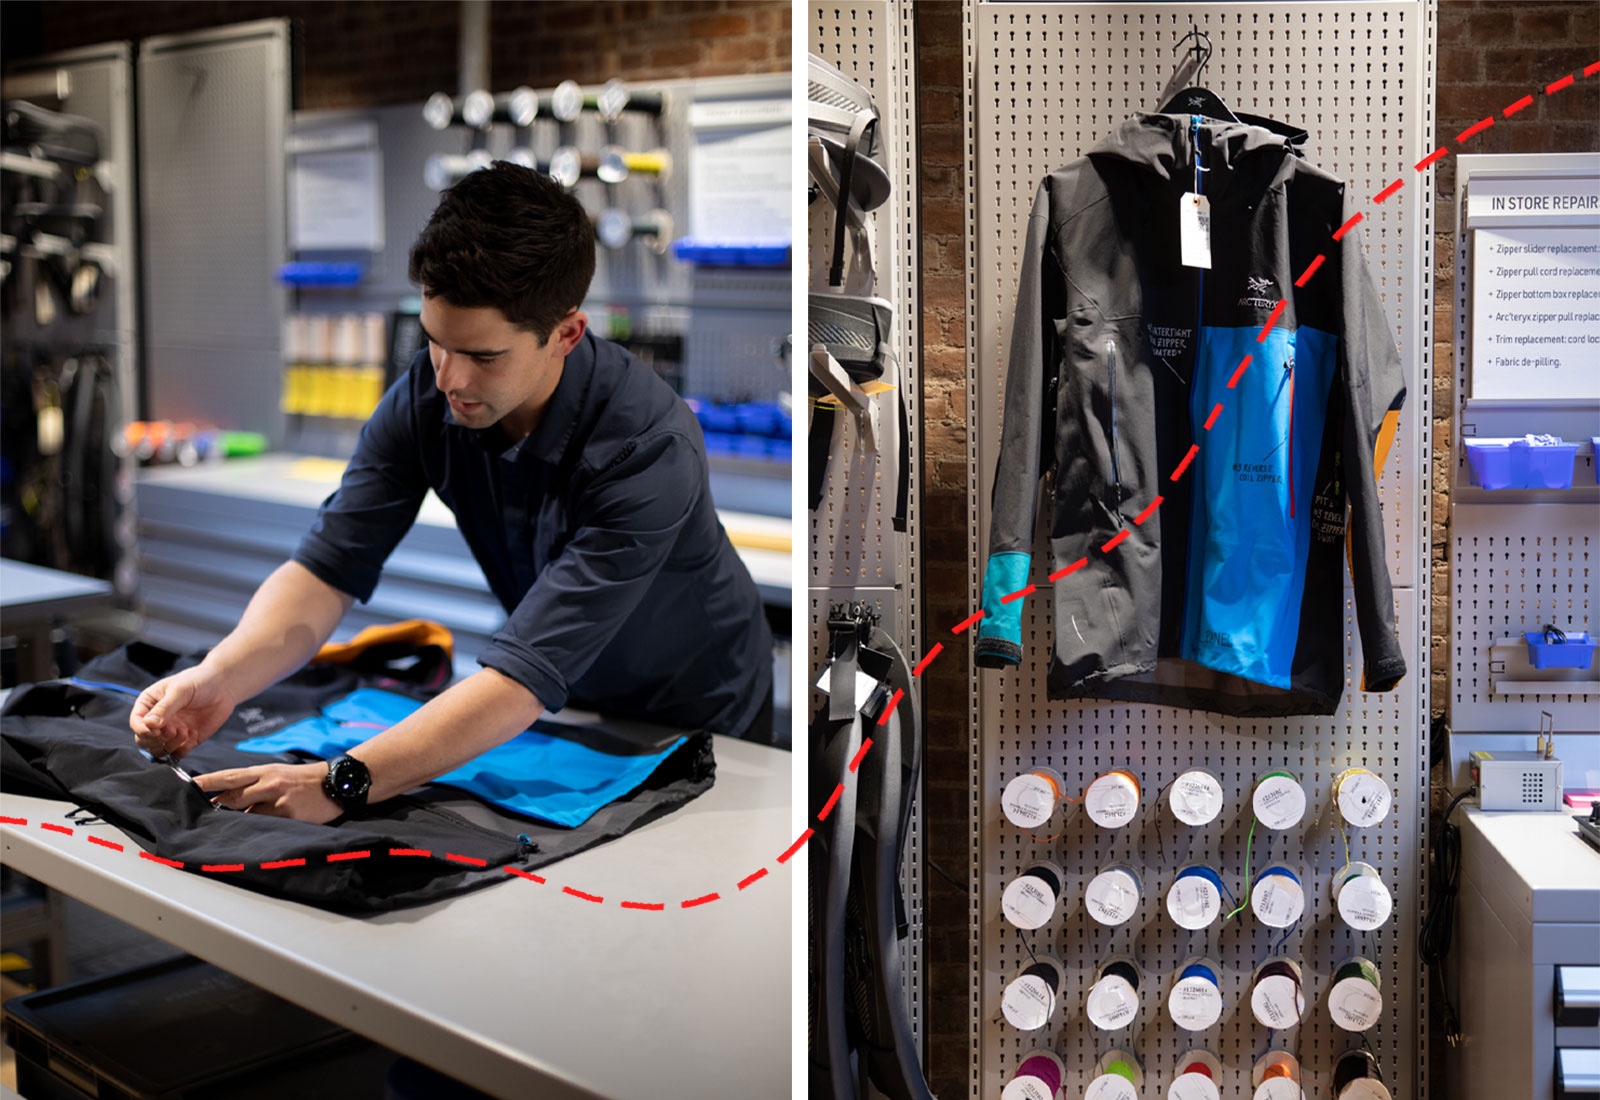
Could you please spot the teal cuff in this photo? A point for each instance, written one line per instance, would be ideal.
(1000, 633)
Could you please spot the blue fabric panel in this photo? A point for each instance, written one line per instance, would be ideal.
(1006, 573)
(546, 777)
(1250, 527)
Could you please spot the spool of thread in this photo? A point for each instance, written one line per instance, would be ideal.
(1112, 800)
(1195, 899)
(1277, 898)
(1198, 1071)
(1356, 999)
(1279, 800)
(1361, 897)
(1196, 797)
(1030, 799)
(1029, 900)
(1356, 1076)
(1277, 998)
(1030, 999)
(1363, 797)
(1195, 1002)
(1039, 1077)
(1114, 998)
(1112, 896)
(1276, 1076)
(1120, 1077)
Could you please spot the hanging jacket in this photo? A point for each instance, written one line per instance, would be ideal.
(69, 739)
(1228, 596)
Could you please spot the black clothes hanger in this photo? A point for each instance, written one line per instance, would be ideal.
(1196, 100)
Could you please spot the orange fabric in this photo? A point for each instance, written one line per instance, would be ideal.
(415, 631)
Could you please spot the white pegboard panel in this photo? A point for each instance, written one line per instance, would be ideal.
(1516, 567)
(1046, 81)
(855, 551)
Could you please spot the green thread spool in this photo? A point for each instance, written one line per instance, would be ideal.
(1279, 801)
(1356, 998)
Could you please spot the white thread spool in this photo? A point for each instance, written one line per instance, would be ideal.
(1361, 896)
(1195, 797)
(1030, 1000)
(1029, 900)
(1112, 896)
(1356, 999)
(1363, 797)
(1030, 799)
(1277, 898)
(1279, 800)
(1112, 800)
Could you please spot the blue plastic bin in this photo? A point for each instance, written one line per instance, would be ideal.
(1576, 652)
(1517, 464)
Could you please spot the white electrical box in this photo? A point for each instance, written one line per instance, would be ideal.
(1516, 781)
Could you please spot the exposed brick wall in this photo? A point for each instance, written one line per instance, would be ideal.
(1491, 52)
(371, 53)
(942, 134)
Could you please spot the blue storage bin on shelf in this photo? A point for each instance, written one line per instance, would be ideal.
(1594, 458)
(1520, 464)
(1576, 652)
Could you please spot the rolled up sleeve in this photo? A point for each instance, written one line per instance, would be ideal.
(628, 522)
(358, 527)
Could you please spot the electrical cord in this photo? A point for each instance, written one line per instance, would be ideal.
(1438, 926)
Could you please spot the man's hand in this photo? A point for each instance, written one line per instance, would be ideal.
(176, 714)
(281, 790)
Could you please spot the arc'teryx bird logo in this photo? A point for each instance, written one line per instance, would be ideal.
(1262, 292)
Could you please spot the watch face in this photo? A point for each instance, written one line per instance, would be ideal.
(348, 781)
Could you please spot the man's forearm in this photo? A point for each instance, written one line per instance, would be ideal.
(286, 622)
(472, 717)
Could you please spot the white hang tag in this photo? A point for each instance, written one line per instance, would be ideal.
(1194, 230)
(864, 684)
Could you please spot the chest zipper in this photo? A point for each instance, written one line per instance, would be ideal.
(1116, 467)
(526, 846)
(1199, 272)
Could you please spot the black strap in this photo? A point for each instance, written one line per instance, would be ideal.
(818, 441)
(903, 488)
(852, 148)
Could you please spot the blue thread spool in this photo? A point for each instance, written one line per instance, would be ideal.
(1195, 1002)
(1277, 898)
(1194, 900)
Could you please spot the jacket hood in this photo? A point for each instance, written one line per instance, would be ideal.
(1231, 152)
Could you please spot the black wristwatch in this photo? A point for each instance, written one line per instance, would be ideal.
(347, 783)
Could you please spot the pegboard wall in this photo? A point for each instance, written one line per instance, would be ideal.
(856, 554)
(1045, 82)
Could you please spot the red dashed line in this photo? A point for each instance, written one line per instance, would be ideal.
(833, 800)
(800, 842)
(1311, 269)
(1525, 101)
(1355, 220)
(1018, 594)
(467, 860)
(529, 875)
(1277, 310)
(54, 828)
(750, 879)
(222, 867)
(1068, 570)
(13, 821)
(692, 902)
(596, 898)
(1592, 68)
(410, 852)
(1149, 510)
(282, 863)
(1437, 154)
(158, 859)
(1116, 540)
(340, 856)
(1475, 129)
(968, 621)
(1552, 89)
(894, 701)
(1238, 374)
(113, 845)
(1387, 191)
(1194, 449)
(650, 906)
(1215, 412)
(855, 761)
(938, 647)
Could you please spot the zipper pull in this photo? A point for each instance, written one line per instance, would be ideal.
(528, 846)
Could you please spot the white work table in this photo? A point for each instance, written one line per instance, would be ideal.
(520, 989)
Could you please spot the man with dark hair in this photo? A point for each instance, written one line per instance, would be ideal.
(579, 481)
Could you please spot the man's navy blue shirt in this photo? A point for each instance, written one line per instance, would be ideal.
(596, 532)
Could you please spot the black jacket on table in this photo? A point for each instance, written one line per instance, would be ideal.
(1221, 589)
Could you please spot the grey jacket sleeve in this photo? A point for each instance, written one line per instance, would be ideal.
(1025, 438)
(1374, 390)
